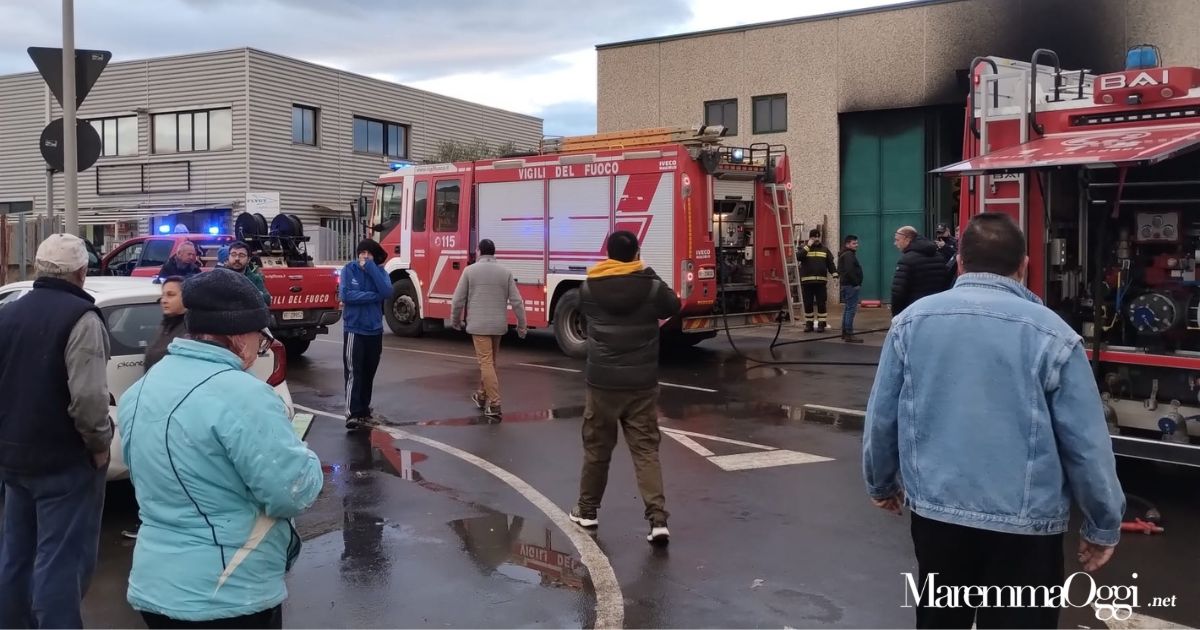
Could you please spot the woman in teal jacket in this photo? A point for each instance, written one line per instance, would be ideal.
(217, 468)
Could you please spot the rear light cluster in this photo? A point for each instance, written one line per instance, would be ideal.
(279, 370)
(687, 276)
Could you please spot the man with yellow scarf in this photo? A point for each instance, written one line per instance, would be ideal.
(623, 302)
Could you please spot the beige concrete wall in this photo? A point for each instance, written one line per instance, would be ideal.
(906, 57)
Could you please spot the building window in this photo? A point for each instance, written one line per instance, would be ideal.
(420, 203)
(445, 206)
(181, 132)
(770, 113)
(304, 125)
(380, 138)
(722, 113)
(118, 136)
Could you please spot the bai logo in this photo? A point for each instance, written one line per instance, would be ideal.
(1122, 81)
(1078, 591)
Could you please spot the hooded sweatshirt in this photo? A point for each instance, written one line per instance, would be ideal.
(623, 303)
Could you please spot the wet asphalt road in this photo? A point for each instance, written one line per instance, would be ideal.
(405, 535)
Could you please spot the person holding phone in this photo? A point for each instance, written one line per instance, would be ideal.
(363, 289)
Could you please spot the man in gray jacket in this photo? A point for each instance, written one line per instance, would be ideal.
(487, 289)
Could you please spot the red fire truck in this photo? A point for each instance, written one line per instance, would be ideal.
(1102, 174)
(710, 219)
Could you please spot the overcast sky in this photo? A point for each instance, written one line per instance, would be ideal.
(532, 56)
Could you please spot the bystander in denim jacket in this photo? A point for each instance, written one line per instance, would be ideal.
(985, 412)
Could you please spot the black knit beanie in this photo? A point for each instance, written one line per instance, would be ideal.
(223, 302)
(370, 246)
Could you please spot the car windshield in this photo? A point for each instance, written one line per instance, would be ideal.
(132, 327)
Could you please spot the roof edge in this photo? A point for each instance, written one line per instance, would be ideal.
(820, 17)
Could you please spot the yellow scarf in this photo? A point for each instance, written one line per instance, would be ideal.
(610, 267)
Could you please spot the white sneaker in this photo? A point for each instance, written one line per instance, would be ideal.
(658, 535)
(582, 520)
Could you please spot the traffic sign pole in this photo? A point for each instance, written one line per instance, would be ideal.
(70, 164)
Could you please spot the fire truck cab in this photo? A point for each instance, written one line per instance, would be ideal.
(709, 218)
(1102, 174)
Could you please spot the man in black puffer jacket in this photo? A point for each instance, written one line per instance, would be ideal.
(623, 302)
(921, 270)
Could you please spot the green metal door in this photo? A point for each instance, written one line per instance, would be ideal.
(882, 188)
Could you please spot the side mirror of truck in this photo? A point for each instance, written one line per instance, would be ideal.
(360, 208)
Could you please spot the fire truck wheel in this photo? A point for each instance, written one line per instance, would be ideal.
(296, 347)
(403, 314)
(570, 330)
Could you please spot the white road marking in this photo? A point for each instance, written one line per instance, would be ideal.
(1138, 621)
(764, 457)
(318, 412)
(610, 604)
(716, 438)
(851, 412)
(550, 367)
(691, 387)
(690, 443)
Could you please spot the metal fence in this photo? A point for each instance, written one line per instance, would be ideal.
(347, 237)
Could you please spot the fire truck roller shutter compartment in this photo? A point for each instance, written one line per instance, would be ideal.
(645, 205)
(512, 214)
(579, 223)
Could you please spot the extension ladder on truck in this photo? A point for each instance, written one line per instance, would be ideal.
(781, 206)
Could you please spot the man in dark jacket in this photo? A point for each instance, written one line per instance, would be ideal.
(54, 441)
(921, 271)
(185, 262)
(852, 279)
(623, 302)
(816, 266)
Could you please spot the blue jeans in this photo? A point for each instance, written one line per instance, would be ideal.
(850, 296)
(51, 539)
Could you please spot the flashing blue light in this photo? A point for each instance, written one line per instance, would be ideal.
(214, 230)
(399, 165)
(738, 155)
(164, 229)
(1142, 57)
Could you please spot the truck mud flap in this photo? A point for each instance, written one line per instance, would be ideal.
(1156, 450)
(705, 323)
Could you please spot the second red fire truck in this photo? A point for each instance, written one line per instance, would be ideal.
(714, 221)
(1102, 173)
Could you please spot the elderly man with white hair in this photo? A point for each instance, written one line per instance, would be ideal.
(54, 441)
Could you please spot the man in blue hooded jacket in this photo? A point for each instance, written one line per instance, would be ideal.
(363, 289)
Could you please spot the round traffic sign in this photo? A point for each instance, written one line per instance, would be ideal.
(87, 141)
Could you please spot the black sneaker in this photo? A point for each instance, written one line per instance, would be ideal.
(492, 411)
(353, 423)
(581, 519)
(659, 535)
(808, 327)
(820, 328)
(478, 399)
(851, 339)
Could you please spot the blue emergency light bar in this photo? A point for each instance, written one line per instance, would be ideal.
(1142, 57)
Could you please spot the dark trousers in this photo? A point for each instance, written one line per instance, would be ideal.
(814, 294)
(965, 556)
(636, 413)
(270, 619)
(360, 361)
(850, 300)
(51, 539)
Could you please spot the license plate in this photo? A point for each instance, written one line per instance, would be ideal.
(293, 315)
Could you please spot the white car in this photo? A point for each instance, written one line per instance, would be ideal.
(133, 315)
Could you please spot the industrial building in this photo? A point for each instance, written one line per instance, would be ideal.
(195, 139)
(868, 102)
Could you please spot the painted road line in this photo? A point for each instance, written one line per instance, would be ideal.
(550, 367)
(429, 352)
(719, 439)
(763, 457)
(849, 412)
(318, 412)
(610, 604)
(691, 387)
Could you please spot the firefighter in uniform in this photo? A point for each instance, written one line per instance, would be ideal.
(816, 266)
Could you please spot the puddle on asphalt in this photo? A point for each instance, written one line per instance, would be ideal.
(509, 547)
